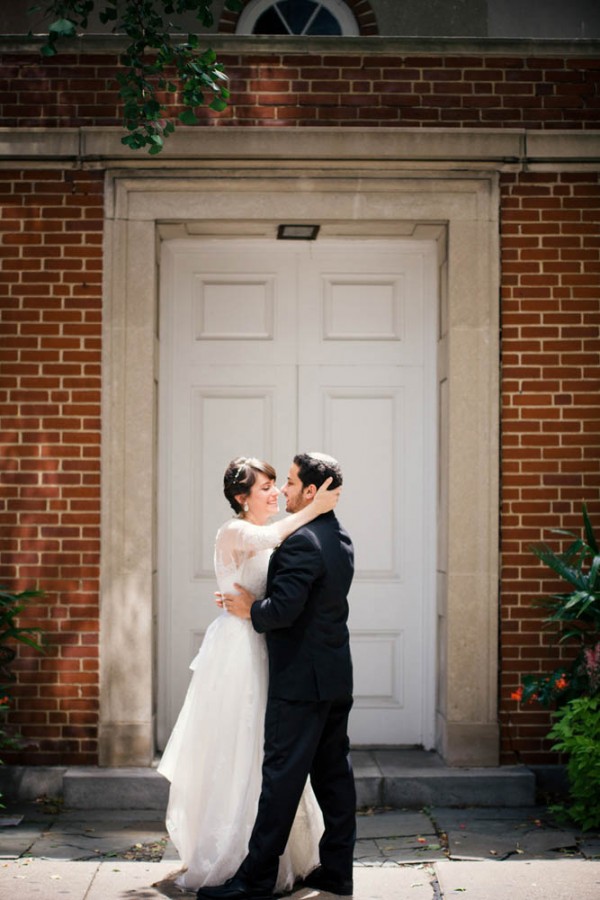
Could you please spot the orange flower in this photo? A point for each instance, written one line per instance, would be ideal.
(517, 695)
(561, 683)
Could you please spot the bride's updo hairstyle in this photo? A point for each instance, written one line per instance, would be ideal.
(240, 475)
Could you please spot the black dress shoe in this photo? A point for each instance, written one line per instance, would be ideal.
(233, 889)
(321, 879)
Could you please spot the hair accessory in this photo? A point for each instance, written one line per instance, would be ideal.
(238, 471)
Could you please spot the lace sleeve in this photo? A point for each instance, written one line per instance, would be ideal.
(236, 541)
(249, 538)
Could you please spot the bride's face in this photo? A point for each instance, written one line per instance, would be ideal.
(262, 500)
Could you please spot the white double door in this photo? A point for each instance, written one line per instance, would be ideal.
(270, 347)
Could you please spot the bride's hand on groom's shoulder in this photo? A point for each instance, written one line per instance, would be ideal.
(325, 499)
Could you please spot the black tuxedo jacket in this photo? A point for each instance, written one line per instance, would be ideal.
(305, 613)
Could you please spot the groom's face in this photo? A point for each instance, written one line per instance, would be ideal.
(294, 492)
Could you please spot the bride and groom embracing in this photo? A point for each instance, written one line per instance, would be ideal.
(261, 716)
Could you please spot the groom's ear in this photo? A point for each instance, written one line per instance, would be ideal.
(309, 491)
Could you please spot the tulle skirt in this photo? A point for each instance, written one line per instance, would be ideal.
(213, 760)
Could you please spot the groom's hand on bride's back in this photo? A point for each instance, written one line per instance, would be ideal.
(238, 604)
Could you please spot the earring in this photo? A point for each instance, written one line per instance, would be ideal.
(246, 507)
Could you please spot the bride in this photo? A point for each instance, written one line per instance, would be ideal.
(214, 756)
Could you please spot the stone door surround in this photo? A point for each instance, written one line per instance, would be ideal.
(348, 192)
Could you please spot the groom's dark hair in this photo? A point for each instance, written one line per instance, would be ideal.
(314, 468)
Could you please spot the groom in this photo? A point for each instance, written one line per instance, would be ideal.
(304, 616)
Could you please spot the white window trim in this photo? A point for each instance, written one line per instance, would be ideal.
(337, 8)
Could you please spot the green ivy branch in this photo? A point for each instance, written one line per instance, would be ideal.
(155, 60)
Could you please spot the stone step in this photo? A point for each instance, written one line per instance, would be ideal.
(397, 778)
(413, 779)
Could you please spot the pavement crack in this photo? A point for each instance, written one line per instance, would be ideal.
(91, 883)
(435, 887)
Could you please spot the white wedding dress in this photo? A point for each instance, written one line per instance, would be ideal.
(214, 756)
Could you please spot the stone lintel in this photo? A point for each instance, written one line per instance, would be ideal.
(497, 148)
(371, 46)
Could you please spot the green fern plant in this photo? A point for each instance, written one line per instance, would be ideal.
(575, 688)
(574, 616)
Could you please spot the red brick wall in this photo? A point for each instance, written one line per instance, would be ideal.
(323, 89)
(50, 273)
(50, 277)
(550, 411)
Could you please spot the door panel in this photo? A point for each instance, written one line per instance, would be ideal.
(362, 302)
(233, 305)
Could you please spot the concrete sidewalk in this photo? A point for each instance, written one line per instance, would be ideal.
(483, 854)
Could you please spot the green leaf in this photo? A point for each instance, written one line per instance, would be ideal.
(557, 564)
(188, 117)
(62, 28)
(576, 547)
(208, 57)
(593, 573)
(47, 50)
(218, 105)
(31, 643)
(589, 531)
(135, 141)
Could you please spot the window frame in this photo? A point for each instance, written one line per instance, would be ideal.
(344, 15)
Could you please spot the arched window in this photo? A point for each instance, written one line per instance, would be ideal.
(300, 17)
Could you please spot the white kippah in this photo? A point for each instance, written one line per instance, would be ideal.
(323, 457)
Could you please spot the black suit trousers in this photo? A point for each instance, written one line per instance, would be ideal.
(302, 738)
